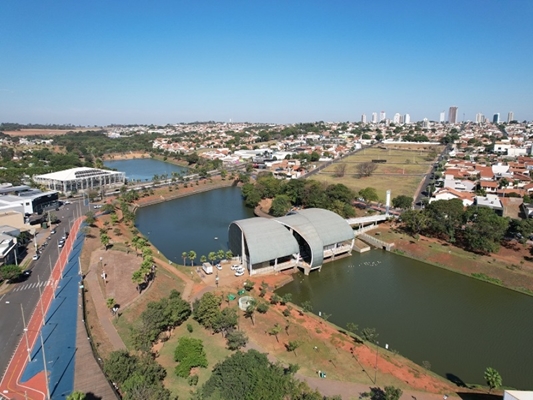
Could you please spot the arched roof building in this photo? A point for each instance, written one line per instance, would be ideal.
(304, 238)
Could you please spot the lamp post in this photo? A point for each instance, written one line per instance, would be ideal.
(26, 333)
(45, 369)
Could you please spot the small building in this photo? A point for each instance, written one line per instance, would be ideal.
(83, 178)
(8, 245)
(30, 202)
(304, 239)
(490, 201)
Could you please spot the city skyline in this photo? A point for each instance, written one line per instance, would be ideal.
(100, 63)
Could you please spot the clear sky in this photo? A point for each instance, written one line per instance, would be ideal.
(97, 62)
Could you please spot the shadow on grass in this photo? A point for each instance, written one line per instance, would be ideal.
(479, 396)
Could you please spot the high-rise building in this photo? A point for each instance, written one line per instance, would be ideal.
(510, 116)
(374, 118)
(407, 119)
(480, 118)
(382, 116)
(396, 118)
(425, 123)
(442, 117)
(452, 115)
(363, 118)
(496, 118)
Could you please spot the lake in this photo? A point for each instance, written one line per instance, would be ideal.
(459, 324)
(144, 169)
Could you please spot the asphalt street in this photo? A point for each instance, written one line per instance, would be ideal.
(26, 292)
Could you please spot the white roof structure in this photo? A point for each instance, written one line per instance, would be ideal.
(81, 178)
(75, 173)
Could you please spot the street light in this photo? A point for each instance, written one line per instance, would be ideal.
(26, 333)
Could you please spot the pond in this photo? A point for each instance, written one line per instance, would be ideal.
(144, 169)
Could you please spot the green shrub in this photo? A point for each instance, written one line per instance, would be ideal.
(189, 328)
(189, 353)
(192, 380)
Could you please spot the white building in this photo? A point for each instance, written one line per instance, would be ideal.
(382, 116)
(407, 119)
(442, 117)
(363, 118)
(82, 178)
(396, 118)
(510, 116)
(374, 118)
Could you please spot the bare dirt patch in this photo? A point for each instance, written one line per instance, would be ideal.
(47, 132)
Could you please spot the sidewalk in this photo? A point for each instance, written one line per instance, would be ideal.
(102, 311)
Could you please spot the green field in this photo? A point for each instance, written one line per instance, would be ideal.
(402, 173)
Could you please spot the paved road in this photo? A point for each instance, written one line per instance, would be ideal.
(26, 293)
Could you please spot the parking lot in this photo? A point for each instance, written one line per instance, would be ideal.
(226, 276)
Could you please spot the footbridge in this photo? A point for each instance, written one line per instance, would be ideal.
(363, 224)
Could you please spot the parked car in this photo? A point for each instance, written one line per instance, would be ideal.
(219, 267)
(52, 231)
(35, 257)
(239, 272)
(234, 267)
(60, 244)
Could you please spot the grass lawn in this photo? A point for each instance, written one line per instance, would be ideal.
(161, 287)
(215, 349)
(402, 172)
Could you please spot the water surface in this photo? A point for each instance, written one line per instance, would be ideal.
(144, 169)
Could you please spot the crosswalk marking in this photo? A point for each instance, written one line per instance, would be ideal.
(34, 285)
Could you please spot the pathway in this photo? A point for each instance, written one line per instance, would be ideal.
(102, 311)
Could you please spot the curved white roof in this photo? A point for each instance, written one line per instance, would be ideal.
(76, 173)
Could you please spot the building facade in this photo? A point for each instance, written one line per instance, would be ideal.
(80, 179)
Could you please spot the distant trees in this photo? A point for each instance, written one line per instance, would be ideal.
(477, 229)
(366, 169)
(231, 380)
(340, 170)
(309, 193)
(403, 202)
(368, 194)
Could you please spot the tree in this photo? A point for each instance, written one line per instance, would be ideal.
(275, 330)
(236, 339)
(368, 194)
(307, 306)
(250, 310)
(190, 354)
(280, 205)
(206, 309)
(192, 256)
(493, 378)
(212, 256)
(415, 221)
(366, 169)
(10, 272)
(229, 255)
(104, 239)
(110, 303)
(225, 321)
(351, 327)
(221, 254)
(203, 259)
(119, 366)
(389, 393)
(446, 216)
(403, 202)
(292, 346)
(369, 334)
(90, 219)
(340, 170)
(138, 278)
(183, 255)
(77, 395)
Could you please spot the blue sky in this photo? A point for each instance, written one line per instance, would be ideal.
(101, 62)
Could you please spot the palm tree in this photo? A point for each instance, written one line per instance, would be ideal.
(184, 256)
(229, 255)
(203, 259)
(493, 378)
(192, 256)
(212, 256)
(104, 239)
(138, 278)
(221, 254)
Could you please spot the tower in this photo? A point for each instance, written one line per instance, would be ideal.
(442, 117)
(496, 118)
(510, 116)
(363, 118)
(452, 115)
(374, 118)
(396, 118)
(382, 116)
(407, 119)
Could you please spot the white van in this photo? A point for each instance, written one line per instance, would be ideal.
(207, 267)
